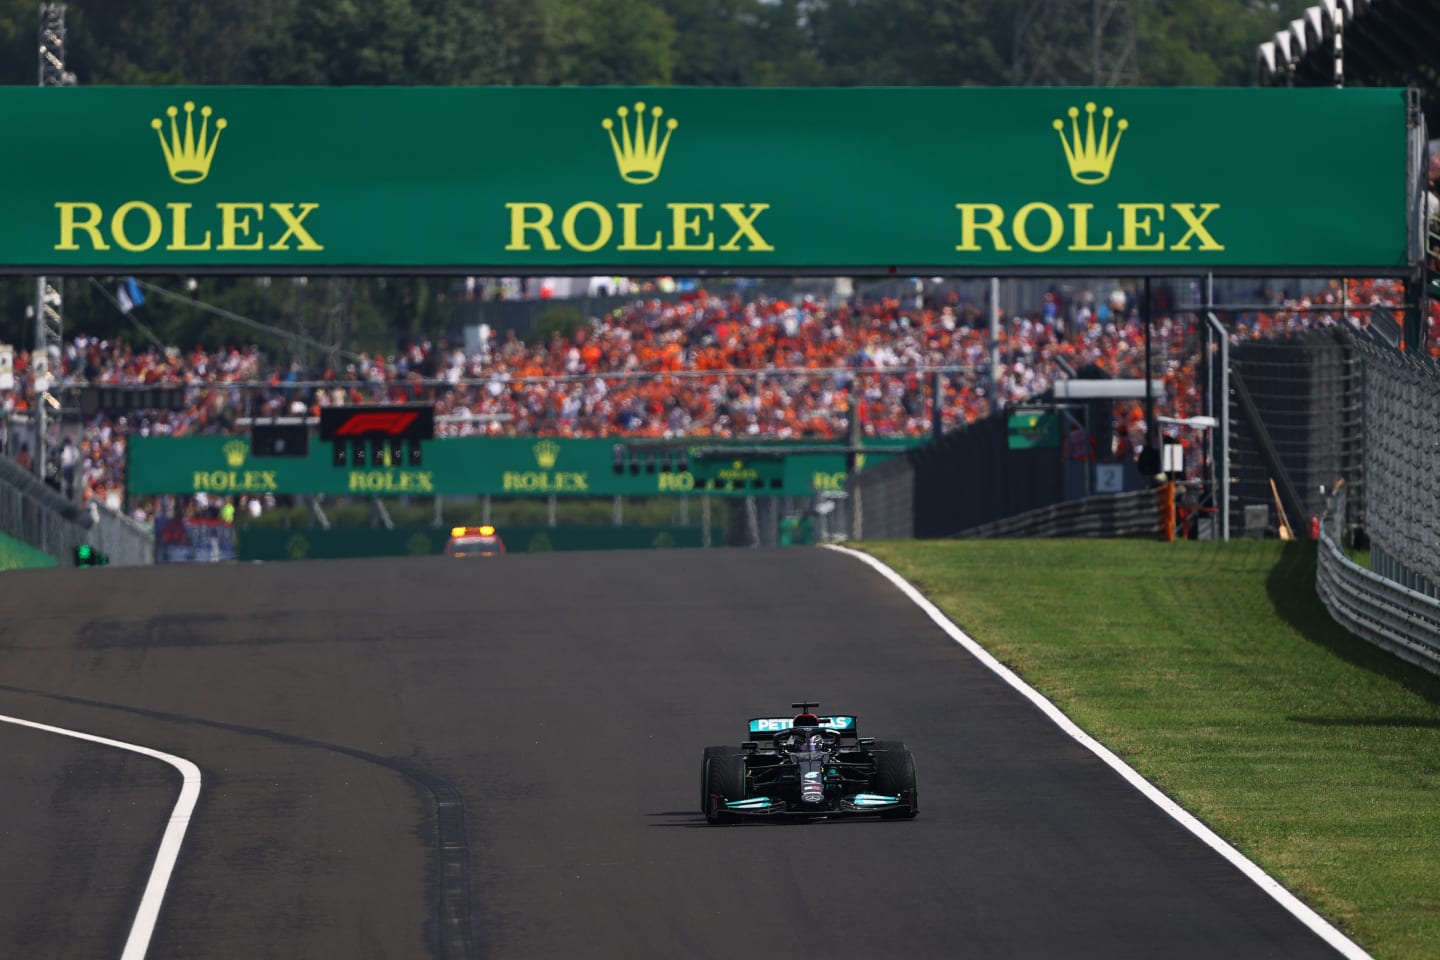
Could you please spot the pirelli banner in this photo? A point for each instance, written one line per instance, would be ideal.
(502, 466)
(953, 180)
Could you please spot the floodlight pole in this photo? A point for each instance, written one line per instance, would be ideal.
(1339, 49)
(48, 304)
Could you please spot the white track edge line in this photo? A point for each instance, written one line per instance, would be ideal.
(1318, 924)
(149, 911)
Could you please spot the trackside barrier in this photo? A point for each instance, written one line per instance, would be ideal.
(1112, 515)
(273, 543)
(34, 514)
(881, 502)
(1393, 617)
(180, 540)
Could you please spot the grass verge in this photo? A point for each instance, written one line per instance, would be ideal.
(1214, 670)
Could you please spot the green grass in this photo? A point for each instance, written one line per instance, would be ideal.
(1214, 670)
(15, 555)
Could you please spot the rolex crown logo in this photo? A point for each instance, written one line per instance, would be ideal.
(640, 156)
(1090, 159)
(235, 452)
(546, 453)
(188, 156)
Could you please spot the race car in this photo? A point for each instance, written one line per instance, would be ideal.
(808, 766)
(474, 542)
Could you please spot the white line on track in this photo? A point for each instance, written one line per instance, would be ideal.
(144, 924)
(1322, 927)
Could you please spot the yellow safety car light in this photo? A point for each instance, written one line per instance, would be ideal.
(457, 531)
(487, 531)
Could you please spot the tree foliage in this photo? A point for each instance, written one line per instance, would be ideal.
(700, 42)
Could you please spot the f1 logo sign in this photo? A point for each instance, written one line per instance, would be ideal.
(389, 423)
(411, 421)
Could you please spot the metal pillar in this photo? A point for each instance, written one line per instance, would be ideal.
(937, 405)
(994, 344)
(1224, 410)
(1152, 429)
(48, 304)
(52, 47)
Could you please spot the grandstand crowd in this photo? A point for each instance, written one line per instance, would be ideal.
(697, 366)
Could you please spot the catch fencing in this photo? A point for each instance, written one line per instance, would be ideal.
(33, 513)
(879, 502)
(1401, 408)
(1296, 428)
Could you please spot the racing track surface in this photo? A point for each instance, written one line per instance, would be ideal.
(429, 758)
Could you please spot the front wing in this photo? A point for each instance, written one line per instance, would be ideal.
(856, 803)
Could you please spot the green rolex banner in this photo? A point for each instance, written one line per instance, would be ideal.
(315, 179)
(1026, 431)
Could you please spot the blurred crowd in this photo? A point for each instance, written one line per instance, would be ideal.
(699, 365)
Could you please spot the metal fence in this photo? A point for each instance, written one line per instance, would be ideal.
(1296, 428)
(1134, 514)
(33, 513)
(1401, 410)
(880, 502)
(1389, 615)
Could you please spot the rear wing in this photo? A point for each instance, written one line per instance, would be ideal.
(765, 728)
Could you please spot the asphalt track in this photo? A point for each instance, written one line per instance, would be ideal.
(426, 758)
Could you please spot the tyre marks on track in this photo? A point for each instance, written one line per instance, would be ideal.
(454, 920)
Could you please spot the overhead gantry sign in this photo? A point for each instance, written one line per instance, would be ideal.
(594, 180)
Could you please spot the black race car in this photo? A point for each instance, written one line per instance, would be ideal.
(808, 766)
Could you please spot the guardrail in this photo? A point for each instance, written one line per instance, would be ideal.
(1111, 515)
(1391, 616)
(33, 513)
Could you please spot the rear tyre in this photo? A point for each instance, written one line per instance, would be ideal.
(723, 778)
(895, 776)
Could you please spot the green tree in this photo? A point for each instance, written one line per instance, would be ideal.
(18, 25)
(159, 42)
(1207, 42)
(622, 42)
(716, 44)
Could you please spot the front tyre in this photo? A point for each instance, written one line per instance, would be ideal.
(895, 776)
(723, 778)
(705, 775)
